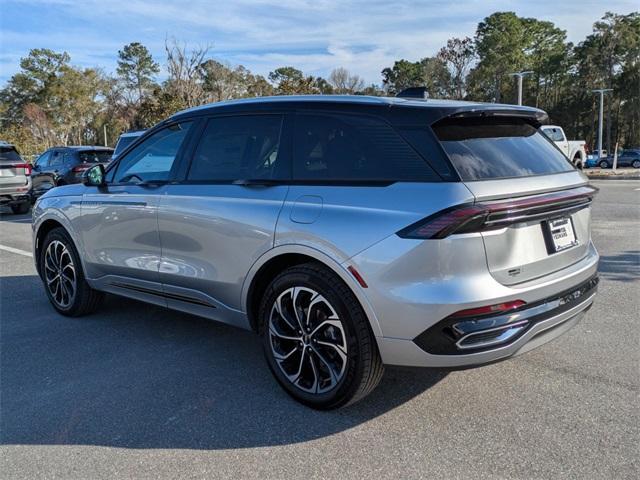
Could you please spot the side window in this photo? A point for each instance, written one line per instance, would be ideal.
(56, 159)
(336, 147)
(43, 160)
(153, 158)
(245, 147)
(69, 157)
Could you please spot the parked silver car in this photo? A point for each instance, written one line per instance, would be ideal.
(15, 179)
(349, 232)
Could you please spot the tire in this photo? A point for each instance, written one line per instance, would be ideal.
(302, 362)
(603, 164)
(21, 208)
(636, 164)
(59, 258)
(577, 161)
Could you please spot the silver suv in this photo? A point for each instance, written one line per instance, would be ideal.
(348, 232)
(15, 179)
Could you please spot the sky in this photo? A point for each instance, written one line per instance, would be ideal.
(314, 36)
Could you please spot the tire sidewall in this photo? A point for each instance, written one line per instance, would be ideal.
(353, 371)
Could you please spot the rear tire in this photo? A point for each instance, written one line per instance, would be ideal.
(316, 338)
(63, 278)
(636, 164)
(603, 164)
(21, 208)
(577, 161)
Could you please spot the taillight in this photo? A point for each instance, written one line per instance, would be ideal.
(26, 166)
(489, 309)
(497, 214)
(80, 168)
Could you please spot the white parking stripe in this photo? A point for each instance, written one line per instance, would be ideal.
(16, 250)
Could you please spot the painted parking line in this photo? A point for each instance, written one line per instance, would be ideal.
(16, 250)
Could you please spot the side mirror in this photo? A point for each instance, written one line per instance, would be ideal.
(94, 177)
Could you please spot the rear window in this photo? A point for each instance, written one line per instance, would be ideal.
(491, 148)
(94, 156)
(344, 148)
(124, 142)
(9, 154)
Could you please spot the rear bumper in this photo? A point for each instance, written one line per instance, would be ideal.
(405, 310)
(407, 353)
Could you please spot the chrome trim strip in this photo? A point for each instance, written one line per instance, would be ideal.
(511, 329)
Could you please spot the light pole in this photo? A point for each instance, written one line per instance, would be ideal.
(601, 91)
(520, 75)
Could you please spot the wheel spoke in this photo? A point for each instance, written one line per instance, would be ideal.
(334, 322)
(274, 331)
(332, 372)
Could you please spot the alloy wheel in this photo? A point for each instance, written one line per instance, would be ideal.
(308, 340)
(60, 274)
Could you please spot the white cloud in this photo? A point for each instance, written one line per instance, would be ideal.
(315, 36)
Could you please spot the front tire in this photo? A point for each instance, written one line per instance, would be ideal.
(316, 338)
(63, 278)
(603, 164)
(636, 164)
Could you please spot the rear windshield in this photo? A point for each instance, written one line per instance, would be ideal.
(9, 154)
(123, 143)
(95, 156)
(490, 148)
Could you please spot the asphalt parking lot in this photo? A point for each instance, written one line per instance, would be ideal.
(136, 391)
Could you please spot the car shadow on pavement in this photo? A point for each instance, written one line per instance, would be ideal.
(620, 267)
(138, 376)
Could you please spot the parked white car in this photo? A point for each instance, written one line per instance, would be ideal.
(573, 149)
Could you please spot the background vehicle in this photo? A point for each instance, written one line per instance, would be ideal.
(65, 165)
(125, 140)
(629, 157)
(15, 179)
(348, 232)
(573, 149)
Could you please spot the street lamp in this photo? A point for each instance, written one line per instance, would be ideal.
(520, 75)
(601, 91)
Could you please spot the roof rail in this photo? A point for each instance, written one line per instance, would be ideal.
(414, 92)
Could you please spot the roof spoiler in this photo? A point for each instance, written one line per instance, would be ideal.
(532, 115)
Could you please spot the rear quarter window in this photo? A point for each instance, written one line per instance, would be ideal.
(354, 148)
(498, 147)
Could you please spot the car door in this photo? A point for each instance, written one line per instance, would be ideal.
(221, 217)
(119, 221)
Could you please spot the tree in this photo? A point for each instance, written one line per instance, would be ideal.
(458, 55)
(137, 70)
(291, 81)
(500, 45)
(185, 80)
(429, 72)
(344, 82)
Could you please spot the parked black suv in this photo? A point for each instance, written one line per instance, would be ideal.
(64, 165)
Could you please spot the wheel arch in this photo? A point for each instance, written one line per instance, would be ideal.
(284, 256)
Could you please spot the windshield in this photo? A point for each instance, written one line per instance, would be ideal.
(498, 147)
(95, 156)
(9, 154)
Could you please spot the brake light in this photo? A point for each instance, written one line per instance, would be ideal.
(478, 217)
(26, 166)
(489, 309)
(80, 168)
